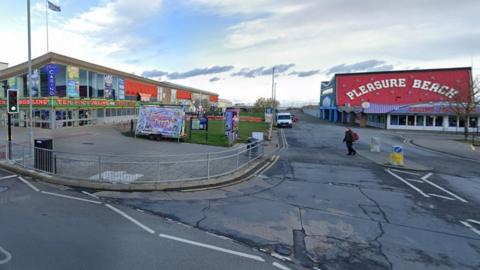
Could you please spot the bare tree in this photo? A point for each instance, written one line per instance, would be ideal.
(463, 109)
(262, 103)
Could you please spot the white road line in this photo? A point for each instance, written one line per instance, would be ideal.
(441, 196)
(408, 184)
(285, 140)
(468, 225)
(8, 177)
(279, 266)
(414, 180)
(441, 188)
(473, 147)
(8, 256)
(474, 221)
(69, 197)
(241, 254)
(426, 176)
(400, 171)
(90, 194)
(138, 223)
(29, 184)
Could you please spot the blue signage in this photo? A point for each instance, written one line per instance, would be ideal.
(397, 149)
(51, 70)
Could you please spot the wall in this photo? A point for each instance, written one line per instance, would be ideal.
(315, 112)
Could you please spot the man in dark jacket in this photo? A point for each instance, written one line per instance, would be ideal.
(348, 139)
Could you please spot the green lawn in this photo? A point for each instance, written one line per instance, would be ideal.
(216, 134)
(252, 114)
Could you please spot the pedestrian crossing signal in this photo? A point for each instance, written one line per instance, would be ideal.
(12, 101)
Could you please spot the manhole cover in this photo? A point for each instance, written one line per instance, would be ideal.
(2, 189)
(89, 143)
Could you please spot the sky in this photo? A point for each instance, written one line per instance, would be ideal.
(231, 46)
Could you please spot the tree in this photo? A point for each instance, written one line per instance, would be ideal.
(262, 103)
(464, 108)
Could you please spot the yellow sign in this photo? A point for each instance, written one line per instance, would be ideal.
(396, 159)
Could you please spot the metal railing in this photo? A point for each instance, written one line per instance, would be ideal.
(124, 169)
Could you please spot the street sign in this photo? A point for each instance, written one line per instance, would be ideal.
(12, 101)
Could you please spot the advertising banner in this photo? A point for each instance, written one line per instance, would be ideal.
(73, 81)
(165, 121)
(232, 117)
(108, 86)
(121, 88)
(51, 70)
(12, 83)
(403, 87)
(35, 83)
(268, 115)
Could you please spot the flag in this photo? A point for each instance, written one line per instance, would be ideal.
(54, 7)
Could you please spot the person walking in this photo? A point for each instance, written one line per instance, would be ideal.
(349, 139)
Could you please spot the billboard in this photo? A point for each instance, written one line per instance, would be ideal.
(108, 79)
(403, 87)
(166, 121)
(232, 117)
(121, 88)
(73, 81)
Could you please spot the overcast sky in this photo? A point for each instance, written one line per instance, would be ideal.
(231, 46)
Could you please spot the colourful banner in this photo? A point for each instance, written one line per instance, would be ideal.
(167, 122)
(35, 83)
(108, 86)
(121, 88)
(12, 83)
(73, 81)
(77, 103)
(51, 70)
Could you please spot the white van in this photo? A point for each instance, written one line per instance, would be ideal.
(284, 120)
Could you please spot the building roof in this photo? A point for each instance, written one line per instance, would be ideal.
(52, 57)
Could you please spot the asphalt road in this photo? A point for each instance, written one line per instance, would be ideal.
(318, 207)
(315, 208)
(49, 227)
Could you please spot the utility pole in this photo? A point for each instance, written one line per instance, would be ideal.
(273, 104)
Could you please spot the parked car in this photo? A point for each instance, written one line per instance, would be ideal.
(294, 118)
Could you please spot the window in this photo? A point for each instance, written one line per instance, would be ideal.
(92, 87)
(402, 120)
(83, 83)
(100, 85)
(61, 81)
(411, 120)
(473, 122)
(394, 120)
(100, 112)
(452, 121)
(420, 120)
(461, 122)
(439, 121)
(430, 120)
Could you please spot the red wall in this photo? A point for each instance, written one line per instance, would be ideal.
(181, 94)
(403, 87)
(132, 88)
(213, 98)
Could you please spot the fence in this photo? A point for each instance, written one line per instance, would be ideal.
(129, 168)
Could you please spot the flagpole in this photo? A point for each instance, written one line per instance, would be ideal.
(46, 16)
(30, 77)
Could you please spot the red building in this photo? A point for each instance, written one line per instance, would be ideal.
(410, 99)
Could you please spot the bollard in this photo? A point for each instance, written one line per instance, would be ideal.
(396, 157)
(375, 145)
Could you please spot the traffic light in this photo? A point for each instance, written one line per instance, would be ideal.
(12, 100)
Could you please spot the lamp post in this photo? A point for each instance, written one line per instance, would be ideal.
(30, 77)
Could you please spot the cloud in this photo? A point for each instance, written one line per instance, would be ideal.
(262, 71)
(199, 72)
(368, 65)
(303, 74)
(187, 74)
(154, 73)
(214, 79)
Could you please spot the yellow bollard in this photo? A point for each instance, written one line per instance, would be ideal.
(396, 157)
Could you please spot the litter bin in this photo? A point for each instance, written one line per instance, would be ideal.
(43, 154)
(252, 147)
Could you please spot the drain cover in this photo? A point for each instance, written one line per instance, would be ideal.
(2, 189)
(89, 143)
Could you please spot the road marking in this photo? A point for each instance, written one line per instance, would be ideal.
(136, 222)
(414, 180)
(285, 140)
(8, 256)
(468, 225)
(241, 254)
(424, 178)
(441, 196)
(473, 147)
(70, 197)
(29, 184)
(271, 164)
(474, 221)
(408, 184)
(90, 194)
(279, 266)
(8, 177)
(400, 171)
